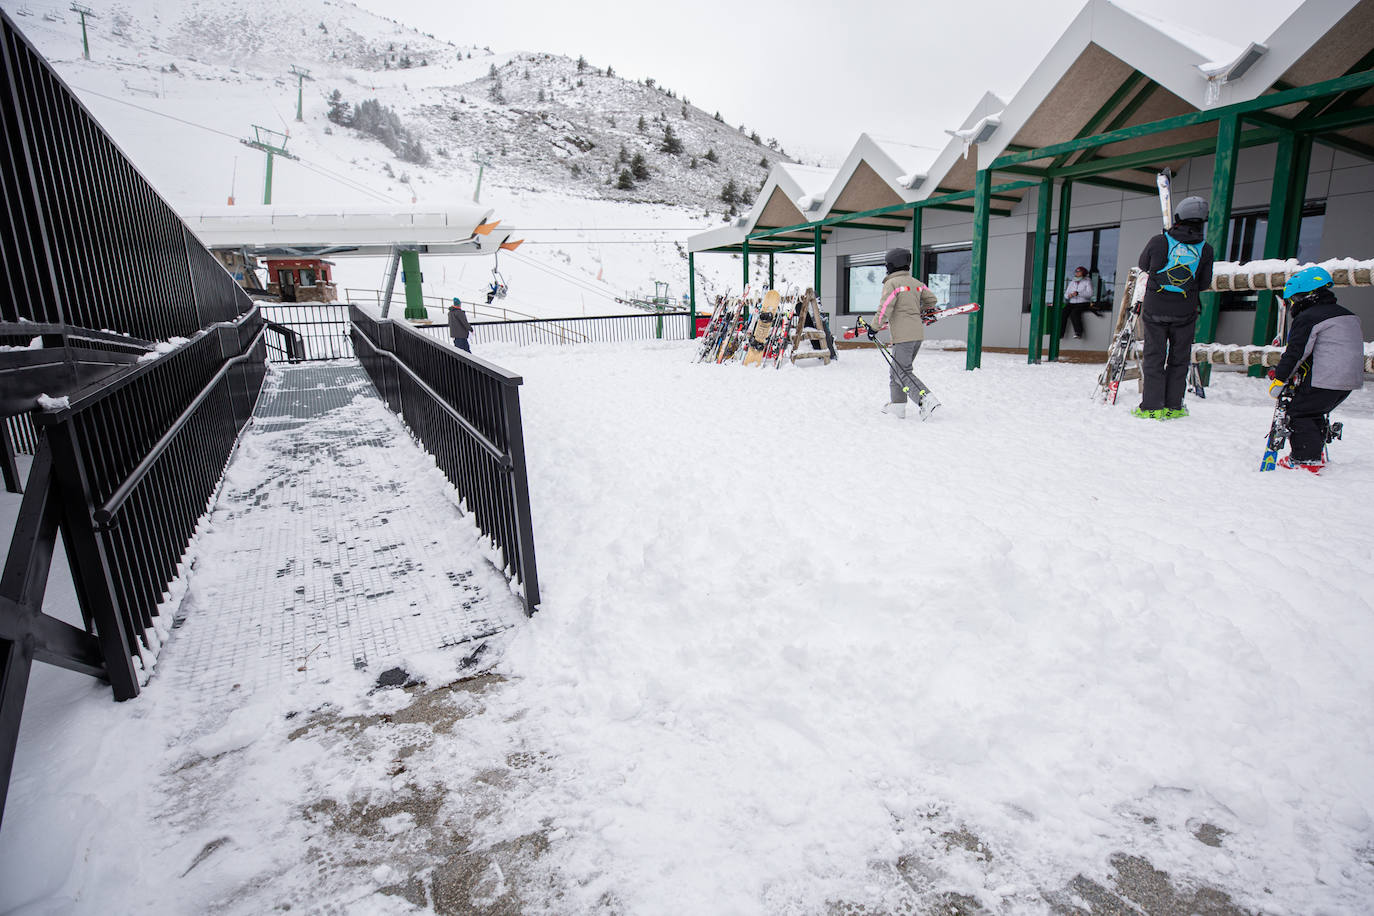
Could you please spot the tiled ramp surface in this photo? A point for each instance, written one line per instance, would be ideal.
(335, 543)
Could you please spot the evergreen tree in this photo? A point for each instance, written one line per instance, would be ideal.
(338, 109)
(711, 155)
(491, 73)
(625, 183)
(671, 144)
(685, 115)
(730, 193)
(609, 70)
(693, 163)
(497, 92)
(639, 168)
(624, 156)
(755, 137)
(763, 162)
(581, 63)
(719, 118)
(642, 126)
(541, 93)
(747, 196)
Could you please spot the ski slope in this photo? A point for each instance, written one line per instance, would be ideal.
(795, 656)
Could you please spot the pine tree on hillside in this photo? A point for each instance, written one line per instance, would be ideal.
(625, 183)
(338, 109)
(624, 156)
(639, 168)
(719, 118)
(747, 197)
(609, 70)
(497, 92)
(581, 63)
(755, 137)
(642, 126)
(671, 144)
(491, 73)
(730, 193)
(711, 155)
(763, 162)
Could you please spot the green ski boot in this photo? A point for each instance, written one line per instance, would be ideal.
(1175, 413)
(1148, 414)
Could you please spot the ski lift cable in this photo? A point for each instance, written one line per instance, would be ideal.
(587, 285)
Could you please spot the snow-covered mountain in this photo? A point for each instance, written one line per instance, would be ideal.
(180, 84)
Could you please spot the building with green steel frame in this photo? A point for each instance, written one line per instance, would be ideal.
(1276, 132)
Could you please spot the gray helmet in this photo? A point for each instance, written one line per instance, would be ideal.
(1191, 208)
(897, 259)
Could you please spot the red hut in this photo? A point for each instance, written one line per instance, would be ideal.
(301, 279)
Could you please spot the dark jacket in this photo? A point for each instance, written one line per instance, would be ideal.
(458, 325)
(1331, 335)
(1181, 300)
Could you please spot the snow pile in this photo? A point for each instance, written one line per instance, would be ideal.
(162, 349)
(35, 344)
(795, 654)
(50, 403)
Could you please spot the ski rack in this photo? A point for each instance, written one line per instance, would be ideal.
(820, 331)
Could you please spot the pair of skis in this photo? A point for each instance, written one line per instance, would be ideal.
(927, 317)
(1164, 180)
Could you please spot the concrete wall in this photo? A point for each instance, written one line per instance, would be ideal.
(1344, 182)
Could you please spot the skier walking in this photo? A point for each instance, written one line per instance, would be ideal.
(1078, 298)
(1330, 336)
(458, 325)
(1179, 266)
(902, 311)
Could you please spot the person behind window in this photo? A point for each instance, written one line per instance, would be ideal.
(1078, 298)
(1179, 266)
(458, 325)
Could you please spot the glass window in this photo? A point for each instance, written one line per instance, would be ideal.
(863, 286)
(949, 274)
(307, 278)
(1245, 242)
(1094, 249)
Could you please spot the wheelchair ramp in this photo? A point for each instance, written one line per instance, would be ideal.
(335, 544)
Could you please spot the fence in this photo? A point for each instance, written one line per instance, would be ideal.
(323, 329)
(466, 413)
(84, 239)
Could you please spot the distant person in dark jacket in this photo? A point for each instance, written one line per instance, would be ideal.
(1329, 340)
(1179, 265)
(458, 325)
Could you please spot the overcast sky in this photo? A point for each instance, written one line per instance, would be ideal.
(814, 73)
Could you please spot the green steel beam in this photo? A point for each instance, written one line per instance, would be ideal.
(1342, 101)
(918, 217)
(1297, 190)
(1161, 155)
(770, 271)
(1219, 218)
(982, 203)
(1061, 262)
(1039, 265)
(1264, 103)
(1364, 151)
(415, 297)
(1134, 105)
(1101, 115)
(692, 294)
(1336, 120)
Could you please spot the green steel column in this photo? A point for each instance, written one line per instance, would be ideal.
(85, 45)
(1302, 163)
(916, 265)
(817, 266)
(267, 182)
(1219, 219)
(1061, 266)
(770, 271)
(744, 256)
(982, 207)
(1275, 240)
(415, 300)
(692, 294)
(1039, 268)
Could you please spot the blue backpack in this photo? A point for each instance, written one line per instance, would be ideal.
(1181, 265)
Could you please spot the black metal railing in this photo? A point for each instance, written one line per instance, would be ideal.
(466, 413)
(84, 239)
(322, 328)
(22, 434)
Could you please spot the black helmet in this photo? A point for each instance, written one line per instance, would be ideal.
(897, 259)
(1191, 208)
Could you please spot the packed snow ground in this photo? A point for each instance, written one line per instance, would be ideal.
(796, 656)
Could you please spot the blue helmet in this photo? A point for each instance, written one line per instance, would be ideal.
(1305, 282)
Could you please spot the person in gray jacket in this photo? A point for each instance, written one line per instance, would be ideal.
(458, 325)
(1330, 337)
(902, 311)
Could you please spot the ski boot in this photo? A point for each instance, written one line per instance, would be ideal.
(1175, 413)
(1315, 467)
(893, 409)
(927, 404)
(1148, 414)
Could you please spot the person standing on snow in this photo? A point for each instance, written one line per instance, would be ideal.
(1078, 298)
(1330, 337)
(1179, 266)
(902, 312)
(458, 325)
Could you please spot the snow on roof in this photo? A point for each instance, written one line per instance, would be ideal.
(1213, 50)
(812, 181)
(912, 160)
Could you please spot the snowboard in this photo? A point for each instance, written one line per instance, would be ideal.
(763, 327)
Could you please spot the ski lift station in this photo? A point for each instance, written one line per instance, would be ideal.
(1276, 132)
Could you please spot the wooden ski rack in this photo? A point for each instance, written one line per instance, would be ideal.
(810, 307)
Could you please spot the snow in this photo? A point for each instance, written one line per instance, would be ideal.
(35, 344)
(51, 403)
(1032, 625)
(162, 349)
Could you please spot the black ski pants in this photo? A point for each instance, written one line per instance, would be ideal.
(1307, 420)
(1168, 350)
(1073, 315)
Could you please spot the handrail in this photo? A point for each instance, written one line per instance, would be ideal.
(105, 514)
(491, 447)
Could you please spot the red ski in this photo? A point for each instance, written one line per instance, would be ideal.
(939, 314)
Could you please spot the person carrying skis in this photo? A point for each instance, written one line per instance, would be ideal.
(458, 325)
(902, 312)
(1329, 339)
(1179, 266)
